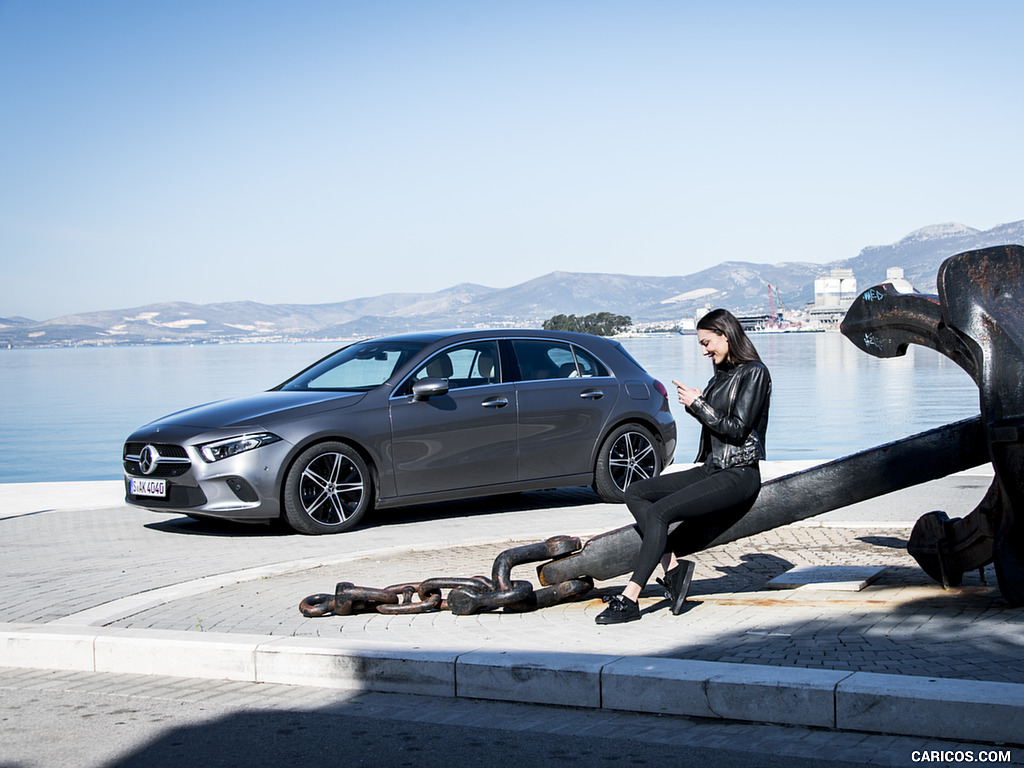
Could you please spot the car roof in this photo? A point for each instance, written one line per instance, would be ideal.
(429, 337)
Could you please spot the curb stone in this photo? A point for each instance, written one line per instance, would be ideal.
(860, 701)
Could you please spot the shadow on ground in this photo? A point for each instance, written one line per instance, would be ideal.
(563, 498)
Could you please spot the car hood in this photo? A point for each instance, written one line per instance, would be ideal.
(255, 409)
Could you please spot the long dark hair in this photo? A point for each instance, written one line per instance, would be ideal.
(724, 323)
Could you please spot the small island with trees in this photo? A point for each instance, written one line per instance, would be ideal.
(596, 324)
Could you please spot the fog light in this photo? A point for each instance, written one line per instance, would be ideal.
(242, 489)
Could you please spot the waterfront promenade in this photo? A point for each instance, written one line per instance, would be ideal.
(92, 585)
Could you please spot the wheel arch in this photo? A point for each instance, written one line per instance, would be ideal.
(366, 455)
(634, 418)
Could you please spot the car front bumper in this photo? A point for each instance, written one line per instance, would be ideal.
(242, 487)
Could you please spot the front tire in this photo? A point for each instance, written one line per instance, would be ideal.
(628, 454)
(328, 489)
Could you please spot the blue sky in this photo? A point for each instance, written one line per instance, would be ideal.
(322, 150)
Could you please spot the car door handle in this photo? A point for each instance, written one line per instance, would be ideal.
(495, 402)
(592, 394)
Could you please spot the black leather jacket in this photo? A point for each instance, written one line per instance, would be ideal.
(733, 412)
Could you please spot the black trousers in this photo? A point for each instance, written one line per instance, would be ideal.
(705, 499)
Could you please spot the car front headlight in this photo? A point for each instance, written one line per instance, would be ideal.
(232, 446)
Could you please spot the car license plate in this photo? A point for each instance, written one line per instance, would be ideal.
(148, 487)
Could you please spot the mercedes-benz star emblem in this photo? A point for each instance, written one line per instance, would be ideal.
(148, 459)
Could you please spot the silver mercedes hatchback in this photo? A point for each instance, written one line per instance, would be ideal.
(409, 419)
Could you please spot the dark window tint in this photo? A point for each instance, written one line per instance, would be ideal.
(588, 364)
(540, 359)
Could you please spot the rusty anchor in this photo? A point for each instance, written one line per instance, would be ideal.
(977, 320)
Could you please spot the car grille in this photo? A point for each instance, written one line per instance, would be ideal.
(173, 461)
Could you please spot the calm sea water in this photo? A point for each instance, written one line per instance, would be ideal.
(64, 413)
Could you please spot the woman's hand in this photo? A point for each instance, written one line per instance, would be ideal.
(686, 394)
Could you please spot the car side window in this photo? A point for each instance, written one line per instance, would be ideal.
(469, 365)
(541, 359)
(588, 364)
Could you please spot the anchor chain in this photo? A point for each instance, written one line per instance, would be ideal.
(466, 595)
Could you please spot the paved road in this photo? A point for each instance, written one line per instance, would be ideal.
(121, 567)
(76, 558)
(85, 720)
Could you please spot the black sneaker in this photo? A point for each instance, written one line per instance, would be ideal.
(620, 610)
(677, 584)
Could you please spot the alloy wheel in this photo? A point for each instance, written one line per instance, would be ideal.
(330, 488)
(632, 457)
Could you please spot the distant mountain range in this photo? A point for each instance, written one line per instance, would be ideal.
(736, 285)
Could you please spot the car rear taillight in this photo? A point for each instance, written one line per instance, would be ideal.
(661, 388)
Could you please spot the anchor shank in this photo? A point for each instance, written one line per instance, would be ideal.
(861, 476)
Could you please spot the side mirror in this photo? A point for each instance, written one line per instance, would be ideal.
(424, 389)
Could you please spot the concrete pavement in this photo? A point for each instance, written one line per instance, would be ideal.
(89, 584)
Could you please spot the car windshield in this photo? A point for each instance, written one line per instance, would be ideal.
(360, 367)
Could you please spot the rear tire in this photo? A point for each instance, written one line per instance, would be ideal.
(328, 489)
(628, 454)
